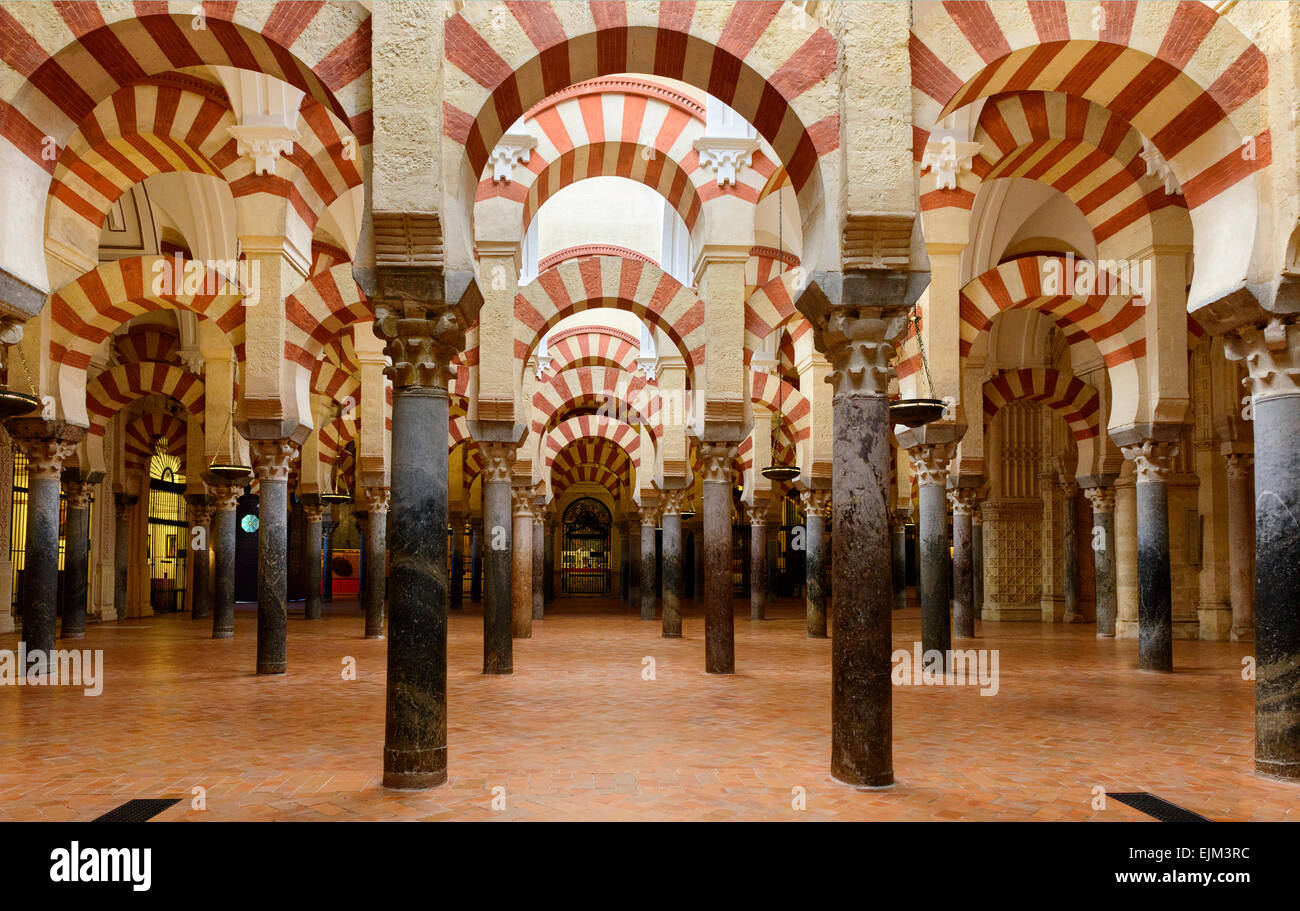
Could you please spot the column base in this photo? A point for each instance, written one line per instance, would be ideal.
(271, 669)
(1214, 622)
(1126, 629)
(1052, 609)
(430, 769)
(1243, 634)
(1015, 613)
(373, 636)
(1074, 618)
(878, 784)
(671, 636)
(1277, 770)
(224, 634)
(79, 634)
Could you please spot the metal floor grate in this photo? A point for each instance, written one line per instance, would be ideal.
(1157, 807)
(141, 810)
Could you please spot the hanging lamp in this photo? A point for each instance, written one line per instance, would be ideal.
(777, 470)
(230, 471)
(13, 403)
(918, 411)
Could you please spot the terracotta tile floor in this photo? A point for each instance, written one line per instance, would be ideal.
(577, 733)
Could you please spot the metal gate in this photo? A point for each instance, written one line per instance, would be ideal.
(168, 536)
(584, 560)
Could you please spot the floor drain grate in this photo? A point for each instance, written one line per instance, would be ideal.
(141, 810)
(1158, 807)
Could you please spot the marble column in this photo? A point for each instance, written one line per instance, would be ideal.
(327, 526)
(977, 559)
(697, 544)
(456, 581)
(313, 555)
(123, 505)
(814, 589)
(421, 350)
(963, 561)
(671, 503)
(548, 550)
(498, 650)
(539, 561)
(649, 576)
(521, 572)
(47, 445)
(899, 568)
(632, 535)
(225, 503)
(1152, 461)
(1241, 545)
(1102, 501)
(476, 560)
(76, 559)
(930, 465)
(858, 340)
(271, 460)
(756, 513)
(1272, 354)
(362, 520)
(201, 578)
(1070, 552)
(377, 500)
(719, 621)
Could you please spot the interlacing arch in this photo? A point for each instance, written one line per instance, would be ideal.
(140, 438)
(319, 310)
(771, 306)
(624, 435)
(112, 389)
(774, 393)
(597, 459)
(1182, 75)
(608, 390)
(769, 61)
(1076, 401)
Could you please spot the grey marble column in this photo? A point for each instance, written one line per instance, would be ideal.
(327, 526)
(1102, 500)
(814, 590)
(421, 349)
(1070, 553)
(271, 460)
(476, 560)
(963, 561)
(697, 543)
(719, 620)
(201, 553)
(977, 560)
(672, 521)
(123, 504)
(498, 553)
(548, 577)
(362, 519)
(456, 581)
(1152, 460)
(649, 576)
(225, 503)
(539, 561)
(521, 568)
(1241, 545)
(930, 465)
(899, 568)
(756, 513)
(47, 445)
(76, 559)
(313, 556)
(377, 501)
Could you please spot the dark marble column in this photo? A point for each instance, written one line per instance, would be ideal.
(858, 341)
(456, 581)
(697, 542)
(1241, 545)
(122, 506)
(930, 465)
(977, 559)
(649, 577)
(225, 503)
(521, 563)
(47, 445)
(756, 513)
(539, 561)
(360, 517)
(312, 556)
(476, 560)
(498, 650)
(814, 505)
(899, 567)
(1155, 596)
(415, 733)
(327, 526)
(376, 559)
(1069, 520)
(672, 521)
(548, 578)
(271, 459)
(1102, 501)
(963, 562)
(76, 558)
(633, 538)
(201, 553)
(1272, 354)
(719, 621)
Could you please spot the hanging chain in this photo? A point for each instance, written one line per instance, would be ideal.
(920, 344)
(22, 359)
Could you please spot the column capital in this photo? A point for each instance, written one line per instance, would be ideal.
(421, 349)
(272, 458)
(716, 459)
(78, 494)
(649, 516)
(1238, 465)
(47, 444)
(123, 503)
(522, 500)
(930, 463)
(815, 502)
(1271, 351)
(671, 501)
(498, 460)
(376, 498)
(1152, 459)
(225, 497)
(859, 343)
(756, 514)
(964, 500)
(1101, 499)
(314, 512)
(1068, 485)
(200, 514)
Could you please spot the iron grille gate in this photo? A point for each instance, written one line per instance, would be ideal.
(584, 560)
(168, 543)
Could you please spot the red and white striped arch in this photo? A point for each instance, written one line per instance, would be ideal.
(626, 437)
(139, 439)
(775, 393)
(148, 343)
(319, 310)
(609, 281)
(593, 346)
(598, 459)
(1076, 401)
(593, 387)
(1182, 75)
(768, 61)
(770, 307)
(112, 389)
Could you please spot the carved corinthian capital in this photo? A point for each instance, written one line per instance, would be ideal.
(963, 500)
(47, 444)
(271, 458)
(376, 499)
(815, 502)
(1101, 499)
(498, 460)
(1272, 356)
(670, 501)
(225, 497)
(78, 494)
(930, 463)
(716, 462)
(860, 344)
(421, 349)
(1152, 459)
